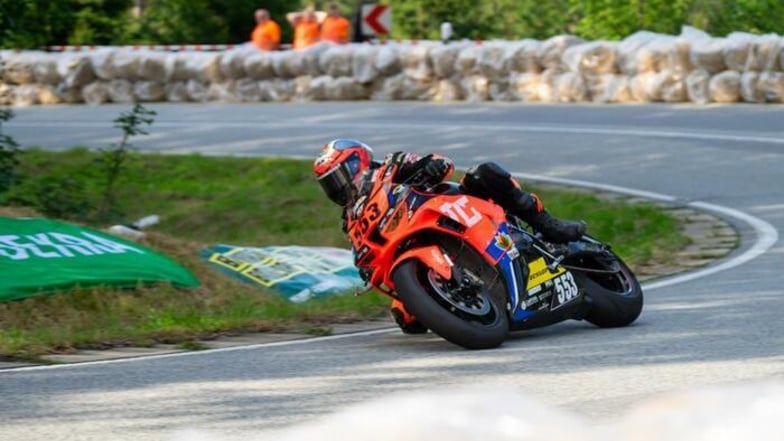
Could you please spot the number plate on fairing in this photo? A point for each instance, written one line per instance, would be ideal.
(564, 290)
(549, 288)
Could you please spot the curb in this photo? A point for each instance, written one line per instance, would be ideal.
(712, 239)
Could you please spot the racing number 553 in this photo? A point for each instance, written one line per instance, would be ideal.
(565, 288)
(370, 215)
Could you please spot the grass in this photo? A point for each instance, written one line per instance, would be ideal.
(244, 201)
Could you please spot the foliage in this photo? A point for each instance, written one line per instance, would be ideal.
(31, 23)
(245, 201)
(591, 19)
(113, 160)
(721, 17)
(54, 196)
(615, 19)
(237, 17)
(9, 154)
(97, 22)
(82, 190)
(34, 23)
(177, 21)
(483, 20)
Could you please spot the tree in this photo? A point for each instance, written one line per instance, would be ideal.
(9, 154)
(30, 24)
(720, 17)
(422, 19)
(237, 16)
(534, 19)
(99, 22)
(615, 19)
(204, 21)
(36, 23)
(177, 22)
(27, 24)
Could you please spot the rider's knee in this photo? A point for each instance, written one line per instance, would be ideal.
(487, 179)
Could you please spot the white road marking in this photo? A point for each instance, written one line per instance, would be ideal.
(672, 134)
(206, 351)
(772, 207)
(767, 236)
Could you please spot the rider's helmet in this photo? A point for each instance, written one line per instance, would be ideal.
(340, 166)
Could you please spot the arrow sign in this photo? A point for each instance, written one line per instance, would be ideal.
(376, 19)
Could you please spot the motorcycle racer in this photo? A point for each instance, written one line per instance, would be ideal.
(346, 170)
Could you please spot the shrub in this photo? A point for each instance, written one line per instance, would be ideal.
(9, 155)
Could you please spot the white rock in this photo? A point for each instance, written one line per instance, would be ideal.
(259, 65)
(363, 63)
(18, 67)
(96, 92)
(523, 56)
(551, 51)
(724, 87)
(697, 86)
(121, 91)
(176, 92)
(598, 57)
(492, 61)
(415, 62)
(149, 91)
(336, 60)
(772, 84)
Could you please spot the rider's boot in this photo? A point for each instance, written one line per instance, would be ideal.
(490, 181)
(405, 320)
(530, 209)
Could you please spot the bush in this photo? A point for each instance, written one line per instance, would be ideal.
(60, 197)
(9, 155)
(84, 192)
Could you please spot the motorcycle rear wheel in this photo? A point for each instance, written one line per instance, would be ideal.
(418, 294)
(616, 299)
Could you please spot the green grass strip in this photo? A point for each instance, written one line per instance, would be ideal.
(242, 201)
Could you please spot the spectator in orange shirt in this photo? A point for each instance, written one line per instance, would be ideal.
(306, 27)
(335, 28)
(266, 35)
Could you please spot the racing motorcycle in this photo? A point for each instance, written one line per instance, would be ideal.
(471, 273)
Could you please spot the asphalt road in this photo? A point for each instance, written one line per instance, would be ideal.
(718, 327)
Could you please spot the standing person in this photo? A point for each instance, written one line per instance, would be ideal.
(266, 34)
(306, 27)
(335, 28)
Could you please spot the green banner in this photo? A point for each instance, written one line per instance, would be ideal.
(39, 256)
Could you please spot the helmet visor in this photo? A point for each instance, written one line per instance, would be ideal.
(337, 184)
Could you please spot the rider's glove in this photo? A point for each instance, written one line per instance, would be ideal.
(435, 170)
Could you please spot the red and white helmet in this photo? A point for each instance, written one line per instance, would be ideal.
(340, 166)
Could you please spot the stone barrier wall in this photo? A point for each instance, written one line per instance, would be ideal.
(644, 67)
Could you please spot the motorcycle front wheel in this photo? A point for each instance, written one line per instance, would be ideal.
(476, 321)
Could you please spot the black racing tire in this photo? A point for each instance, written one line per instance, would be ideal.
(414, 291)
(615, 299)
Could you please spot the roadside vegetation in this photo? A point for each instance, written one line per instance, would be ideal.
(204, 201)
(31, 24)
